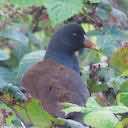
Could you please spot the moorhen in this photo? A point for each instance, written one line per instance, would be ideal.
(56, 78)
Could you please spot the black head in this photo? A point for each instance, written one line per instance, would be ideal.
(65, 42)
(69, 38)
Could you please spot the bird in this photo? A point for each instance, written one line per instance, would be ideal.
(56, 78)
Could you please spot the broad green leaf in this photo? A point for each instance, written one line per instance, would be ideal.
(91, 102)
(24, 3)
(103, 11)
(90, 57)
(14, 35)
(3, 55)
(93, 1)
(124, 86)
(69, 108)
(117, 109)
(28, 60)
(96, 87)
(2, 1)
(91, 105)
(101, 119)
(7, 74)
(17, 39)
(33, 113)
(3, 84)
(113, 109)
(122, 98)
(61, 10)
(108, 38)
(19, 50)
(116, 82)
(123, 4)
(107, 73)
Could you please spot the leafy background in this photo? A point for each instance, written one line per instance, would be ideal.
(25, 29)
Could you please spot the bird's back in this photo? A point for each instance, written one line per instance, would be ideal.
(54, 83)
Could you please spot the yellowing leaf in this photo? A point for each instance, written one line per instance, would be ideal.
(119, 59)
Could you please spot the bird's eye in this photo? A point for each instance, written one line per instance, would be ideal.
(74, 34)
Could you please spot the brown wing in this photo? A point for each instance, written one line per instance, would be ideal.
(53, 83)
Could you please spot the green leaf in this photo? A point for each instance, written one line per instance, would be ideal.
(91, 105)
(96, 87)
(3, 84)
(24, 3)
(91, 102)
(93, 1)
(117, 109)
(28, 60)
(116, 82)
(107, 73)
(33, 113)
(19, 50)
(3, 55)
(124, 86)
(108, 38)
(90, 57)
(7, 74)
(61, 10)
(14, 35)
(103, 11)
(101, 119)
(69, 108)
(2, 1)
(123, 4)
(18, 40)
(122, 98)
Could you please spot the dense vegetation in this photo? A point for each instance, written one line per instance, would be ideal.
(25, 29)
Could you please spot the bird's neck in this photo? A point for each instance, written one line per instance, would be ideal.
(68, 60)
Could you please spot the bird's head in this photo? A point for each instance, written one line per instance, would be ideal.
(70, 38)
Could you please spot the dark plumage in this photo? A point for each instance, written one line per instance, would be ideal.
(57, 79)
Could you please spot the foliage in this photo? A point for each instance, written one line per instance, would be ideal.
(27, 61)
(97, 115)
(25, 29)
(57, 11)
(24, 3)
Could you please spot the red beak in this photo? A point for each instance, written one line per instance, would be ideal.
(89, 44)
